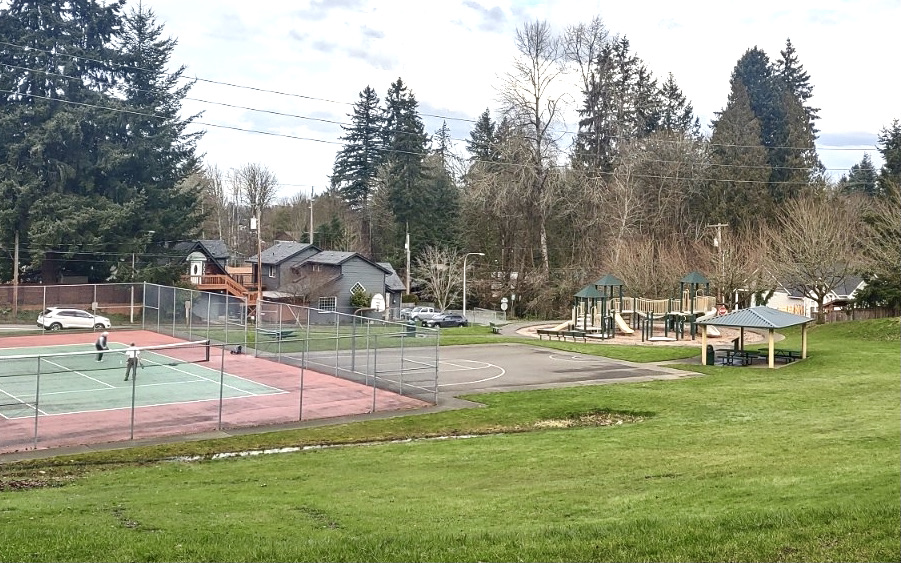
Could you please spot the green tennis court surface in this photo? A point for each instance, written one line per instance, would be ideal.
(79, 383)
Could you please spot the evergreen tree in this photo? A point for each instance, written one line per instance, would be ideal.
(796, 79)
(676, 112)
(739, 170)
(157, 155)
(92, 154)
(786, 130)
(622, 103)
(406, 145)
(890, 148)
(357, 163)
(482, 144)
(861, 178)
(55, 195)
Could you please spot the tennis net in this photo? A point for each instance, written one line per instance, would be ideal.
(64, 362)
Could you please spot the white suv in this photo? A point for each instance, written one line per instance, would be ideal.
(56, 318)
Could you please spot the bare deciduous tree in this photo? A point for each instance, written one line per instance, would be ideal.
(216, 198)
(442, 270)
(257, 184)
(533, 103)
(817, 244)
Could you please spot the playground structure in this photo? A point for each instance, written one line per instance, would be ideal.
(601, 311)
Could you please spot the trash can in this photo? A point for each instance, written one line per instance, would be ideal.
(411, 328)
(710, 356)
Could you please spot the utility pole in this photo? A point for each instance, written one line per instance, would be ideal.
(718, 242)
(16, 277)
(407, 249)
(311, 214)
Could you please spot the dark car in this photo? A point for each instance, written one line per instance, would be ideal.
(445, 320)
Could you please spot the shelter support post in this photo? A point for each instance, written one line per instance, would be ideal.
(703, 345)
(771, 355)
(804, 341)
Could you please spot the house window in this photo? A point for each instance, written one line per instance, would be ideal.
(357, 287)
(270, 271)
(317, 267)
(328, 303)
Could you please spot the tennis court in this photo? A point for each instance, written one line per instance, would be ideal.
(59, 380)
(51, 400)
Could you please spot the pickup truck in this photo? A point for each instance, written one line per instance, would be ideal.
(419, 314)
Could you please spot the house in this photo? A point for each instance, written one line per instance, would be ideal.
(205, 258)
(327, 280)
(794, 301)
(277, 261)
(394, 290)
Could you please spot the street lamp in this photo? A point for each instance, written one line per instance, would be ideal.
(467, 255)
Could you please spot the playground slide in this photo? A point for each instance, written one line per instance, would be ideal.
(712, 330)
(621, 324)
(562, 326)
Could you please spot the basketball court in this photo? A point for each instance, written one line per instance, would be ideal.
(508, 367)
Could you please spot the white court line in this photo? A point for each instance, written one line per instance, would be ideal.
(570, 358)
(11, 396)
(136, 406)
(196, 377)
(68, 370)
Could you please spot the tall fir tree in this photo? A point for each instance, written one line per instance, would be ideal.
(357, 164)
(157, 153)
(739, 169)
(406, 145)
(796, 79)
(622, 102)
(890, 149)
(482, 144)
(58, 74)
(676, 112)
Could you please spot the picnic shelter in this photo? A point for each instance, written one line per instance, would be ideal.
(760, 317)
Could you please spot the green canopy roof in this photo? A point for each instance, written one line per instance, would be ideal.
(589, 292)
(695, 277)
(609, 280)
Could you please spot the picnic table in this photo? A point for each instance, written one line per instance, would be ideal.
(277, 334)
(783, 354)
(732, 357)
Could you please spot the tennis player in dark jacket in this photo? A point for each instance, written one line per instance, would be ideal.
(101, 345)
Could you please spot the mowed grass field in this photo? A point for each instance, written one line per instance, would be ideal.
(801, 463)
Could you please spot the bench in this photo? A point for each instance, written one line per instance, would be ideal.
(495, 329)
(276, 334)
(547, 332)
(572, 334)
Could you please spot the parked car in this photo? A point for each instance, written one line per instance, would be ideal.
(56, 318)
(422, 313)
(405, 312)
(446, 320)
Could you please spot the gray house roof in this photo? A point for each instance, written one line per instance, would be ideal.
(756, 317)
(336, 258)
(280, 251)
(215, 249)
(392, 281)
(848, 286)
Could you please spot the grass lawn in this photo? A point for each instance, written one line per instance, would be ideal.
(802, 463)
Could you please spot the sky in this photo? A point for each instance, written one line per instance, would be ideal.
(277, 78)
